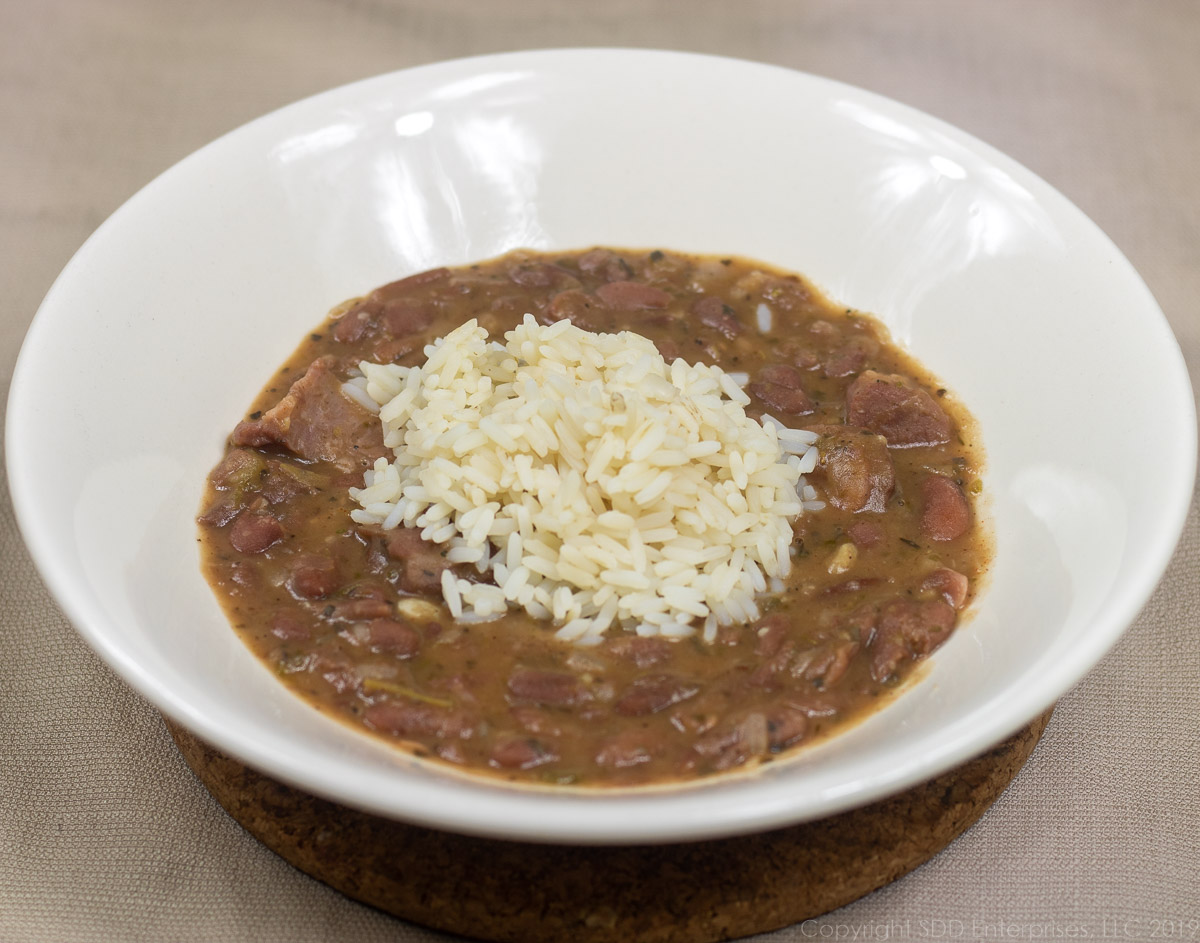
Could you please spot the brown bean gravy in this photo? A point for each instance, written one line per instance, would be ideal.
(351, 616)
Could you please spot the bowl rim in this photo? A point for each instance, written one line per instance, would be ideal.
(1027, 703)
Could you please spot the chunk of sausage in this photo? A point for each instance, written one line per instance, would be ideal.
(313, 577)
(318, 422)
(945, 512)
(857, 470)
(892, 406)
(254, 532)
(394, 637)
(548, 688)
(780, 388)
(908, 629)
(632, 295)
(713, 312)
(654, 693)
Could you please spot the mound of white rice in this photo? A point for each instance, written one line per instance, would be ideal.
(597, 485)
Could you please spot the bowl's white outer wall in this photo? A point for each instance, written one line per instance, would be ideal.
(170, 317)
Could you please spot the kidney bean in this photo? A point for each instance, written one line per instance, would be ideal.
(548, 688)
(394, 637)
(945, 514)
(254, 532)
(652, 694)
(632, 295)
(313, 577)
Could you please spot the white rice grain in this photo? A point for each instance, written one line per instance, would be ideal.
(597, 485)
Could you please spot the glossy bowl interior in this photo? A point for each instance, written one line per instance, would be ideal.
(174, 313)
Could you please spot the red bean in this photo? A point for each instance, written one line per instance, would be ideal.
(536, 274)
(945, 514)
(950, 584)
(865, 534)
(548, 688)
(313, 577)
(653, 694)
(359, 610)
(254, 532)
(713, 312)
(605, 264)
(395, 637)
(643, 652)
(289, 627)
(632, 295)
(521, 753)
(411, 719)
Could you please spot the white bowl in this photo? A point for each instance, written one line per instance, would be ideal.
(168, 320)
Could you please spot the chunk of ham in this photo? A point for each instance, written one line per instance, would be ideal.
(318, 422)
(855, 468)
(907, 629)
(895, 408)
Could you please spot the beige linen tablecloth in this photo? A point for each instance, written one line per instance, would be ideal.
(104, 833)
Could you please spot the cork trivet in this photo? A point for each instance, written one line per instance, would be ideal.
(513, 891)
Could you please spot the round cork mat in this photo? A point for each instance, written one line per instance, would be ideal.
(514, 891)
